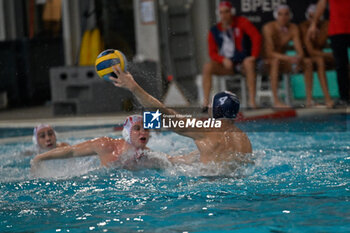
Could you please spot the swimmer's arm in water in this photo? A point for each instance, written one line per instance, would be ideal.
(62, 144)
(32, 152)
(185, 159)
(126, 80)
(87, 148)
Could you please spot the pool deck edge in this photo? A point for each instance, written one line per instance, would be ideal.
(30, 117)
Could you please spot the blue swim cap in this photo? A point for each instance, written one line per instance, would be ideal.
(225, 105)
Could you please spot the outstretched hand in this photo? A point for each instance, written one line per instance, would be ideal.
(124, 80)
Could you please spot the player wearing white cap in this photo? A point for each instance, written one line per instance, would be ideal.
(108, 149)
(45, 138)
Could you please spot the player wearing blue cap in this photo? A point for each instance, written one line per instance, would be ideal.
(225, 105)
(228, 143)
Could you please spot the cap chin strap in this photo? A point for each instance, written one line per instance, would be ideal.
(126, 135)
(128, 123)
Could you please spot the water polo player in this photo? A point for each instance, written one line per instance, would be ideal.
(108, 149)
(228, 143)
(44, 138)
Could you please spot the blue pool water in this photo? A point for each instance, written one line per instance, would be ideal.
(300, 183)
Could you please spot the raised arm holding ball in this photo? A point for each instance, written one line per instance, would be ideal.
(226, 144)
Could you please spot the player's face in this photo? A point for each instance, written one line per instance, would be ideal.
(46, 138)
(283, 16)
(225, 15)
(139, 136)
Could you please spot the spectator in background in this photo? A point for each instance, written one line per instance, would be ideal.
(277, 34)
(314, 48)
(339, 32)
(228, 51)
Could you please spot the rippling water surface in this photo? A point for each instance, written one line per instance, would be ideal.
(299, 183)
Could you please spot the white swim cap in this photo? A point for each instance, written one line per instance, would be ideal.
(310, 9)
(282, 7)
(35, 133)
(128, 123)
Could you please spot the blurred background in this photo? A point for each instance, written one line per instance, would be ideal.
(48, 48)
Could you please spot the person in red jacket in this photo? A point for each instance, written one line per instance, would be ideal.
(339, 33)
(230, 51)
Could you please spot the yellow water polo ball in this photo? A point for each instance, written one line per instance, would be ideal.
(108, 58)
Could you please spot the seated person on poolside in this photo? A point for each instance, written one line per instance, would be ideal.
(44, 138)
(314, 48)
(277, 34)
(228, 51)
(226, 144)
(108, 149)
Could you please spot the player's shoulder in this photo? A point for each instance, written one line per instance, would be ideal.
(268, 27)
(108, 140)
(240, 18)
(241, 21)
(109, 144)
(269, 24)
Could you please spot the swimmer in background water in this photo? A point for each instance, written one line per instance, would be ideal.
(44, 139)
(226, 144)
(108, 149)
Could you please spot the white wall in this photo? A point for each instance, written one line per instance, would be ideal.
(147, 36)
